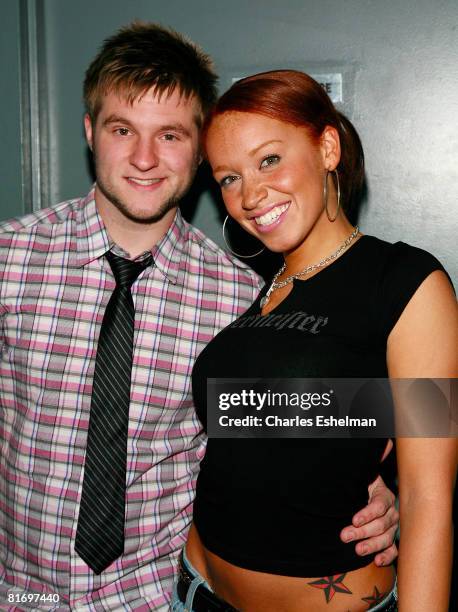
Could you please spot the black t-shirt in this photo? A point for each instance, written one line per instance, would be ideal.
(278, 505)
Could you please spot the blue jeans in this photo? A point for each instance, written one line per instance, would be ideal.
(179, 606)
(389, 604)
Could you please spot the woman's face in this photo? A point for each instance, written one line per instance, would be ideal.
(271, 176)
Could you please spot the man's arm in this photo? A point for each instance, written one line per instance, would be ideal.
(375, 526)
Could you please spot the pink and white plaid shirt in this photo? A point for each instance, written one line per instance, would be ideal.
(54, 287)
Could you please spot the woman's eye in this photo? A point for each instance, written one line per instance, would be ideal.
(270, 160)
(228, 180)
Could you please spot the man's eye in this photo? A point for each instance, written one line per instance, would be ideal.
(170, 137)
(270, 160)
(228, 180)
(122, 131)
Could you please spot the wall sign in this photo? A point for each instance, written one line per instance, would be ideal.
(331, 83)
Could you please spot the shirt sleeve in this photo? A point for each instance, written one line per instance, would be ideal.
(405, 269)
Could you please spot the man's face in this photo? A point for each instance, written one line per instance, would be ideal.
(146, 154)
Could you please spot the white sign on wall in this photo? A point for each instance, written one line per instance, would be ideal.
(332, 84)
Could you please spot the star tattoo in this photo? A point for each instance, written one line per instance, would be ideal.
(331, 585)
(375, 598)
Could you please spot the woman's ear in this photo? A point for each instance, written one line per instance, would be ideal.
(330, 147)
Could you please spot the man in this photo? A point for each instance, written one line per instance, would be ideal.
(146, 95)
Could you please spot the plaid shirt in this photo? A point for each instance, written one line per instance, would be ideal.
(54, 287)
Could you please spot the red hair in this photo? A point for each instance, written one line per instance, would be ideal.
(294, 97)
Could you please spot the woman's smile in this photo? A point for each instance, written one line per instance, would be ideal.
(267, 221)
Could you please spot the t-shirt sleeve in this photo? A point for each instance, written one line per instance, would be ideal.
(405, 269)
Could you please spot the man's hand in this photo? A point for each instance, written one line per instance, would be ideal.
(375, 525)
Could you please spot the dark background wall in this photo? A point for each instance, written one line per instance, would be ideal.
(400, 80)
(11, 199)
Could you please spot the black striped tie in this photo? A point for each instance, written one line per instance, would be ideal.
(100, 533)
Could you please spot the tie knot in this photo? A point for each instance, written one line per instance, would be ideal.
(126, 271)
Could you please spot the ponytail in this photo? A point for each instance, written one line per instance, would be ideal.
(351, 165)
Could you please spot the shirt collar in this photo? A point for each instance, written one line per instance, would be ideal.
(168, 253)
(93, 241)
(91, 235)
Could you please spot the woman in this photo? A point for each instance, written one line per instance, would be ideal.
(290, 167)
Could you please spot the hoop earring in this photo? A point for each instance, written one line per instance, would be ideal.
(229, 248)
(325, 195)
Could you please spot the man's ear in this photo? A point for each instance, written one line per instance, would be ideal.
(88, 130)
(330, 147)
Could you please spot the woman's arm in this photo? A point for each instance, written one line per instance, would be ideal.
(423, 344)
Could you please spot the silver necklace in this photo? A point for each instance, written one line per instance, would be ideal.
(324, 262)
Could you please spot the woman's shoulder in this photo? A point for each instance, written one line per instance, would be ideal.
(394, 262)
(398, 270)
(391, 249)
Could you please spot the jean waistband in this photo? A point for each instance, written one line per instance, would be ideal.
(195, 593)
(390, 602)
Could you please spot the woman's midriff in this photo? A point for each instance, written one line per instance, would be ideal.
(251, 591)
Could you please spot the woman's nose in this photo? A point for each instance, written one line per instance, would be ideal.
(253, 192)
